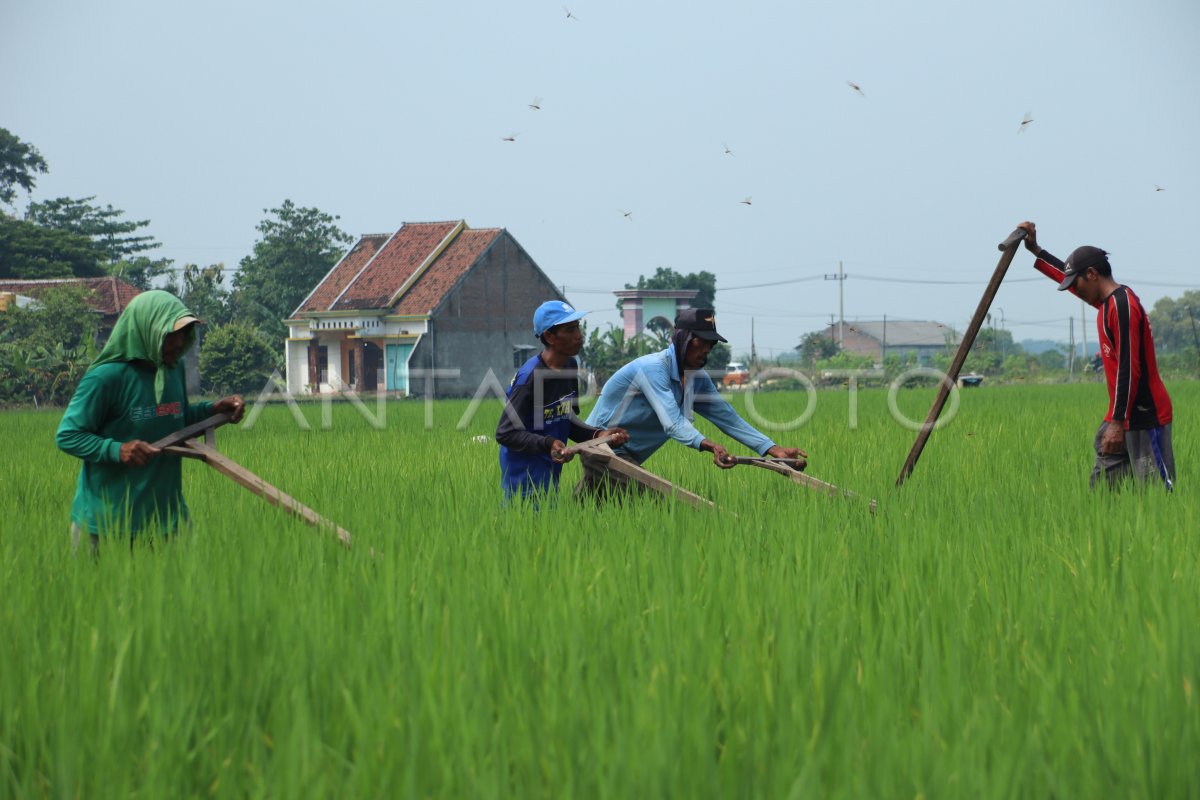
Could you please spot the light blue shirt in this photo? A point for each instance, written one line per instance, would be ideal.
(647, 398)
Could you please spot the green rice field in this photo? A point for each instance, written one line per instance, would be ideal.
(995, 630)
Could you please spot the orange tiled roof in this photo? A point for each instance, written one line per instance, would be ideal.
(343, 272)
(441, 276)
(393, 265)
(109, 296)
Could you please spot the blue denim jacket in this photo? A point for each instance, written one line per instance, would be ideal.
(647, 398)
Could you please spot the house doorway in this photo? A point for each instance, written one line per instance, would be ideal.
(372, 360)
(397, 367)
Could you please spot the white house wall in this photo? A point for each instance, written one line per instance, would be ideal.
(331, 333)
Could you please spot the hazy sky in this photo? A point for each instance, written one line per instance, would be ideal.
(199, 116)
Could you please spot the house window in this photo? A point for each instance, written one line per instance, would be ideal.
(323, 363)
(522, 353)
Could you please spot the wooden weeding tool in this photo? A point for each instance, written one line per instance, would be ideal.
(784, 466)
(183, 443)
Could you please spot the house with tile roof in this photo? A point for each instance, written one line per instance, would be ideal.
(107, 297)
(432, 307)
(894, 337)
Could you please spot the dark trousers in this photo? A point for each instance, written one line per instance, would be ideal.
(1148, 456)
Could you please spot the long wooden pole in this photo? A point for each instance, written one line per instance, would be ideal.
(1009, 249)
(239, 474)
(642, 476)
(177, 444)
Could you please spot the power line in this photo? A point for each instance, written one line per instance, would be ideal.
(774, 283)
(885, 279)
(874, 279)
(882, 279)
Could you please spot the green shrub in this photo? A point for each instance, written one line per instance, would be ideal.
(236, 359)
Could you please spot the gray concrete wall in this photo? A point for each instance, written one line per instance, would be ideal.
(483, 318)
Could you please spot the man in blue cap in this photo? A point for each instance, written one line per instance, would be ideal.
(653, 398)
(542, 411)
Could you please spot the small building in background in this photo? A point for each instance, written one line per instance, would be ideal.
(641, 307)
(891, 337)
(433, 297)
(107, 297)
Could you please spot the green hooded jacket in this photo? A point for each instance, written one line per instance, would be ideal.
(129, 393)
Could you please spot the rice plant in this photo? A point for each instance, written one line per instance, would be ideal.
(994, 630)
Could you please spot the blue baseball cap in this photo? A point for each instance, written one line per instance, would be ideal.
(554, 312)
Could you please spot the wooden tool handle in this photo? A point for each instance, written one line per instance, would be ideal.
(960, 355)
(1013, 238)
(797, 464)
(239, 474)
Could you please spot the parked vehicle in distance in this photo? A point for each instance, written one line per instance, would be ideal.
(736, 374)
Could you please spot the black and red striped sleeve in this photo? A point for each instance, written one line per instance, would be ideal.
(1125, 323)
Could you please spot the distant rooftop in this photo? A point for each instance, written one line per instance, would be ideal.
(901, 333)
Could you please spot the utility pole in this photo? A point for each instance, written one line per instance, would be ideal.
(841, 307)
(831, 327)
(753, 350)
(841, 279)
(1003, 340)
(883, 346)
(1071, 350)
(1195, 336)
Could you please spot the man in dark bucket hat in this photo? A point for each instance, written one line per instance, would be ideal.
(1134, 440)
(653, 399)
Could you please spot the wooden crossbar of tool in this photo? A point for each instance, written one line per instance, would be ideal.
(590, 443)
(203, 427)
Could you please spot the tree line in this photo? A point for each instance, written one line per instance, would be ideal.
(45, 348)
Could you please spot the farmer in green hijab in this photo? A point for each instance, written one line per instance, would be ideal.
(132, 394)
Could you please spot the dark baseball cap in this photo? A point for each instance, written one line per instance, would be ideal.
(702, 322)
(1080, 260)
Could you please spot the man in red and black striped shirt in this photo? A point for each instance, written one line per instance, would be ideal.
(1135, 437)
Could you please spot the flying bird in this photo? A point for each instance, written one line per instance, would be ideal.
(856, 88)
(747, 201)
(1158, 188)
(1028, 119)
(536, 105)
(728, 152)
(627, 215)
(569, 14)
(512, 137)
